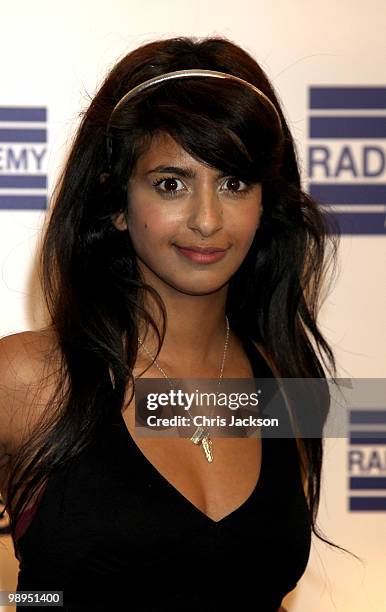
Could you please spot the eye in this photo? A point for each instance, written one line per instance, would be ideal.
(170, 186)
(235, 182)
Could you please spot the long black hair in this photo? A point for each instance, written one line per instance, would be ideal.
(90, 280)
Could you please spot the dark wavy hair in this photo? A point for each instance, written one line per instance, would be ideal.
(89, 275)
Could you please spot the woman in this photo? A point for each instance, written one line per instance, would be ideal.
(168, 166)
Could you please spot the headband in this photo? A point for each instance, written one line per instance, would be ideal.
(178, 74)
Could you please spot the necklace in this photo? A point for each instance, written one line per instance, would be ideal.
(201, 435)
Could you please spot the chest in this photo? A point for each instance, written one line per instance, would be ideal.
(216, 488)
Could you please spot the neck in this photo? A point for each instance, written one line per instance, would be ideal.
(195, 331)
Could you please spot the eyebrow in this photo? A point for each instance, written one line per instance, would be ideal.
(183, 171)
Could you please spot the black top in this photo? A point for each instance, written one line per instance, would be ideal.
(111, 531)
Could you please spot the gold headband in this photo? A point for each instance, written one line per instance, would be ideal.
(191, 72)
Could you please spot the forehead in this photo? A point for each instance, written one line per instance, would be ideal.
(161, 148)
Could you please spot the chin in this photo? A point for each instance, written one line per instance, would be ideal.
(199, 288)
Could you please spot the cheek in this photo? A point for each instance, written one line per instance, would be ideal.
(245, 224)
(149, 227)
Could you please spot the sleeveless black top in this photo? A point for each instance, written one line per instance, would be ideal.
(113, 534)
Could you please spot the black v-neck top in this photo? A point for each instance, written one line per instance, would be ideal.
(113, 534)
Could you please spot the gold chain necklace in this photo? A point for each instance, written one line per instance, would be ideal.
(201, 435)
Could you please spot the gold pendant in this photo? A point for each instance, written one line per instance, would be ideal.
(207, 446)
(198, 435)
(201, 436)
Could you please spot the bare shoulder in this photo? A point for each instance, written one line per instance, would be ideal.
(24, 356)
(28, 361)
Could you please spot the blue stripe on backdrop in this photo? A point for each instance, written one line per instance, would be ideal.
(366, 440)
(27, 202)
(22, 113)
(347, 127)
(359, 223)
(369, 482)
(23, 181)
(368, 417)
(347, 97)
(367, 503)
(22, 135)
(349, 193)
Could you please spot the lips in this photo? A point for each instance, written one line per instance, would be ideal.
(202, 255)
(204, 250)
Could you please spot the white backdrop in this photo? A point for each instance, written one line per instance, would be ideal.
(54, 55)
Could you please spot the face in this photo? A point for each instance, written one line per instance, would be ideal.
(177, 204)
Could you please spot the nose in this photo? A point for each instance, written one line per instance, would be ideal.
(206, 215)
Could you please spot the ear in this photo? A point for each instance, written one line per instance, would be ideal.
(119, 221)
